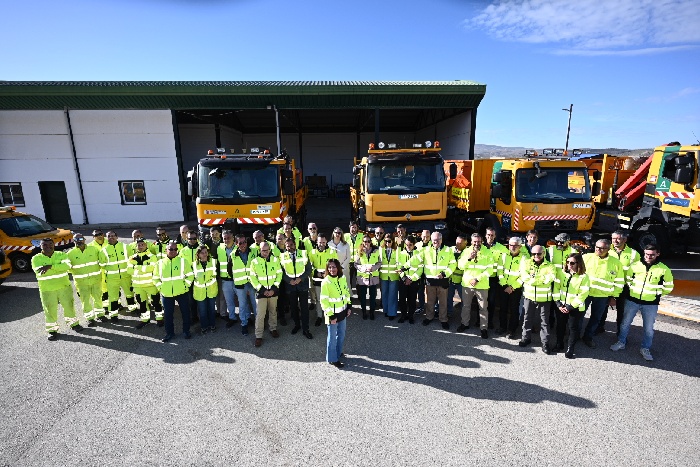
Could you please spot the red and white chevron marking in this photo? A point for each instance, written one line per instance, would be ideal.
(63, 242)
(675, 194)
(16, 248)
(516, 219)
(259, 220)
(551, 218)
(212, 221)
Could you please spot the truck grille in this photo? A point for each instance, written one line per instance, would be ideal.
(562, 225)
(412, 213)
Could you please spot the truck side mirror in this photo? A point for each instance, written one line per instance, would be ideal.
(595, 189)
(684, 174)
(288, 187)
(191, 189)
(453, 171)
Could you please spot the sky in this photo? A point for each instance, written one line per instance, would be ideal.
(631, 68)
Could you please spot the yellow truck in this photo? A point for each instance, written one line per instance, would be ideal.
(393, 185)
(21, 235)
(670, 212)
(5, 265)
(548, 194)
(247, 191)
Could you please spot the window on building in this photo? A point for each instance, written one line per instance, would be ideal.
(132, 192)
(12, 194)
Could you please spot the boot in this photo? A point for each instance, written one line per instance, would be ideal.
(364, 314)
(371, 315)
(569, 352)
(114, 311)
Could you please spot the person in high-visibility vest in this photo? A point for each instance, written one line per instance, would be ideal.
(438, 265)
(423, 243)
(367, 264)
(456, 277)
(310, 244)
(114, 259)
(342, 249)
(160, 246)
(141, 265)
(511, 287)
(266, 277)
(319, 257)
(627, 256)
(537, 275)
(607, 278)
(204, 287)
(497, 250)
(240, 265)
(648, 281)
(189, 251)
(389, 277)
(173, 278)
(87, 276)
(224, 253)
(476, 264)
(282, 306)
(51, 268)
(410, 268)
(570, 293)
(296, 270)
(335, 302)
(354, 239)
(98, 242)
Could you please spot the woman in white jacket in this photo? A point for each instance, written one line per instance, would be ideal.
(342, 249)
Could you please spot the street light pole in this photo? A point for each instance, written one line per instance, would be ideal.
(568, 129)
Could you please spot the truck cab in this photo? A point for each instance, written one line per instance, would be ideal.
(394, 186)
(246, 191)
(21, 235)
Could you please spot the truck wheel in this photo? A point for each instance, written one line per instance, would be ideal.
(655, 234)
(21, 262)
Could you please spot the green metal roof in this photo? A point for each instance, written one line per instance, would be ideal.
(47, 95)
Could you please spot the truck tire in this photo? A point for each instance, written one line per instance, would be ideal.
(21, 262)
(654, 234)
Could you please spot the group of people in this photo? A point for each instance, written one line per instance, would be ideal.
(533, 287)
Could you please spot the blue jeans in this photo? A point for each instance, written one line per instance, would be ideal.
(598, 307)
(229, 294)
(648, 319)
(451, 295)
(246, 302)
(335, 341)
(169, 310)
(207, 312)
(390, 297)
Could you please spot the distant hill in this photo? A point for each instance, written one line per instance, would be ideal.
(487, 151)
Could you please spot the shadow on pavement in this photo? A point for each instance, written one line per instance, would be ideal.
(478, 387)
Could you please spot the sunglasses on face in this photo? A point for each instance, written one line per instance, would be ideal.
(172, 249)
(571, 262)
(99, 235)
(537, 254)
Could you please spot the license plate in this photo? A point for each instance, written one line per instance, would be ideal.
(408, 196)
(260, 211)
(582, 206)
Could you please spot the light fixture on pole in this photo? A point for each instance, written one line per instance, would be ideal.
(568, 129)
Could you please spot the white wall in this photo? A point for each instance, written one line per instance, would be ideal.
(454, 135)
(111, 145)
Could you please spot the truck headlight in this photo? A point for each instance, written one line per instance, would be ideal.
(440, 226)
(36, 243)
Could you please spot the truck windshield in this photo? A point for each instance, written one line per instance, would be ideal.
(238, 182)
(552, 185)
(24, 226)
(416, 178)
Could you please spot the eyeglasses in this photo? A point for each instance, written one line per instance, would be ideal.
(561, 243)
(312, 228)
(571, 262)
(337, 232)
(366, 241)
(172, 249)
(99, 234)
(79, 240)
(602, 248)
(387, 240)
(537, 254)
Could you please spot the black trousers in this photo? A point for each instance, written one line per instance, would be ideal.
(494, 291)
(509, 312)
(407, 298)
(570, 321)
(298, 301)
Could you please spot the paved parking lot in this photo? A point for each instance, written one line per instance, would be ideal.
(409, 395)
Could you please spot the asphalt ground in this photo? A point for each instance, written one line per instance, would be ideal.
(409, 395)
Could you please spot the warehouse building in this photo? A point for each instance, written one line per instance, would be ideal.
(111, 152)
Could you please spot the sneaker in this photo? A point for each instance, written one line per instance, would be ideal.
(53, 336)
(646, 354)
(462, 328)
(160, 323)
(141, 324)
(91, 323)
(244, 330)
(77, 328)
(617, 346)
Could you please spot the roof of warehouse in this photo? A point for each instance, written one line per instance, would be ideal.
(46, 95)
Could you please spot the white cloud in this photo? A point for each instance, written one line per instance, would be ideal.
(595, 27)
